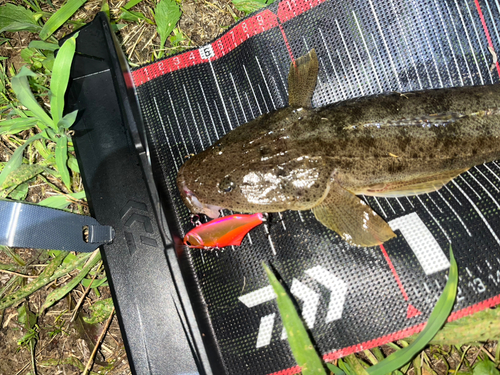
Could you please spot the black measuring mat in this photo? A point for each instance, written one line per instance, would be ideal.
(351, 298)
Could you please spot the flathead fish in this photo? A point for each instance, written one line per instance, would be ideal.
(301, 158)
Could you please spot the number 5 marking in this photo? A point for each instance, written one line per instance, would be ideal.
(422, 243)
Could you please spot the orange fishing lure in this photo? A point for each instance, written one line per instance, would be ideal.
(222, 232)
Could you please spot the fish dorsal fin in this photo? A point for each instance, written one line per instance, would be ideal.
(352, 218)
(420, 185)
(302, 80)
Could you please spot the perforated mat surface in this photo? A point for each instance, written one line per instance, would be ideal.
(351, 298)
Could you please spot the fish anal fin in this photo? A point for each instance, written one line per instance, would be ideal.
(420, 185)
(352, 218)
(302, 80)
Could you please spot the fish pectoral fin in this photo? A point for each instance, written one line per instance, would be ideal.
(420, 185)
(352, 218)
(302, 80)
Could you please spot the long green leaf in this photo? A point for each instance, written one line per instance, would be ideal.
(167, 14)
(39, 44)
(60, 17)
(61, 201)
(39, 282)
(62, 159)
(131, 3)
(17, 158)
(23, 92)
(18, 176)
(60, 78)
(59, 293)
(16, 125)
(300, 343)
(436, 320)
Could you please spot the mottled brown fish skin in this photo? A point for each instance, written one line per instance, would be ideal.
(285, 160)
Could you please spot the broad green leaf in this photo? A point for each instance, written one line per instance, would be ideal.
(60, 79)
(67, 121)
(27, 54)
(48, 62)
(100, 311)
(16, 125)
(131, 4)
(167, 14)
(23, 92)
(17, 18)
(40, 44)
(436, 320)
(61, 160)
(485, 367)
(250, 6)
(302, 348)
(21, 26)
(73, 164)
(16, 159)
(18, 176)
(61, 201)
(20, 192)
(25, 317)
(60, 17)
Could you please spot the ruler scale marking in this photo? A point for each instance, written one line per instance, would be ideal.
(435, 220)
(192, 116)
(374, 71)
(478, 41)
(253, 91)
(478, 212)
(165, 133)
(208, 109)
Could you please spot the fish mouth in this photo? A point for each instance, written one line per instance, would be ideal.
(195, 206)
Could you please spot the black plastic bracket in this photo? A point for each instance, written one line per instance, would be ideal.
(157, 322)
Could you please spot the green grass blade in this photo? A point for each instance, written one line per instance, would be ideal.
(62, 159)
(39, 44)
(61, 201)
(21, 87)
(60, 17)
(298, 338)
(16, 125)
(39, 282)
(16, 159)
(436, 320)
(60, 79)
(131, 4)
(335, 369)
(59, 293)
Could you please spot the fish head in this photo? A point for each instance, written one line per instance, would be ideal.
(264, 173)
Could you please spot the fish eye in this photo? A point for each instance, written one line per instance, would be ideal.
(226, 185)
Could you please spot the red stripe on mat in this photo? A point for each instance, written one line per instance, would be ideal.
(487, 33)
(243, 31)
